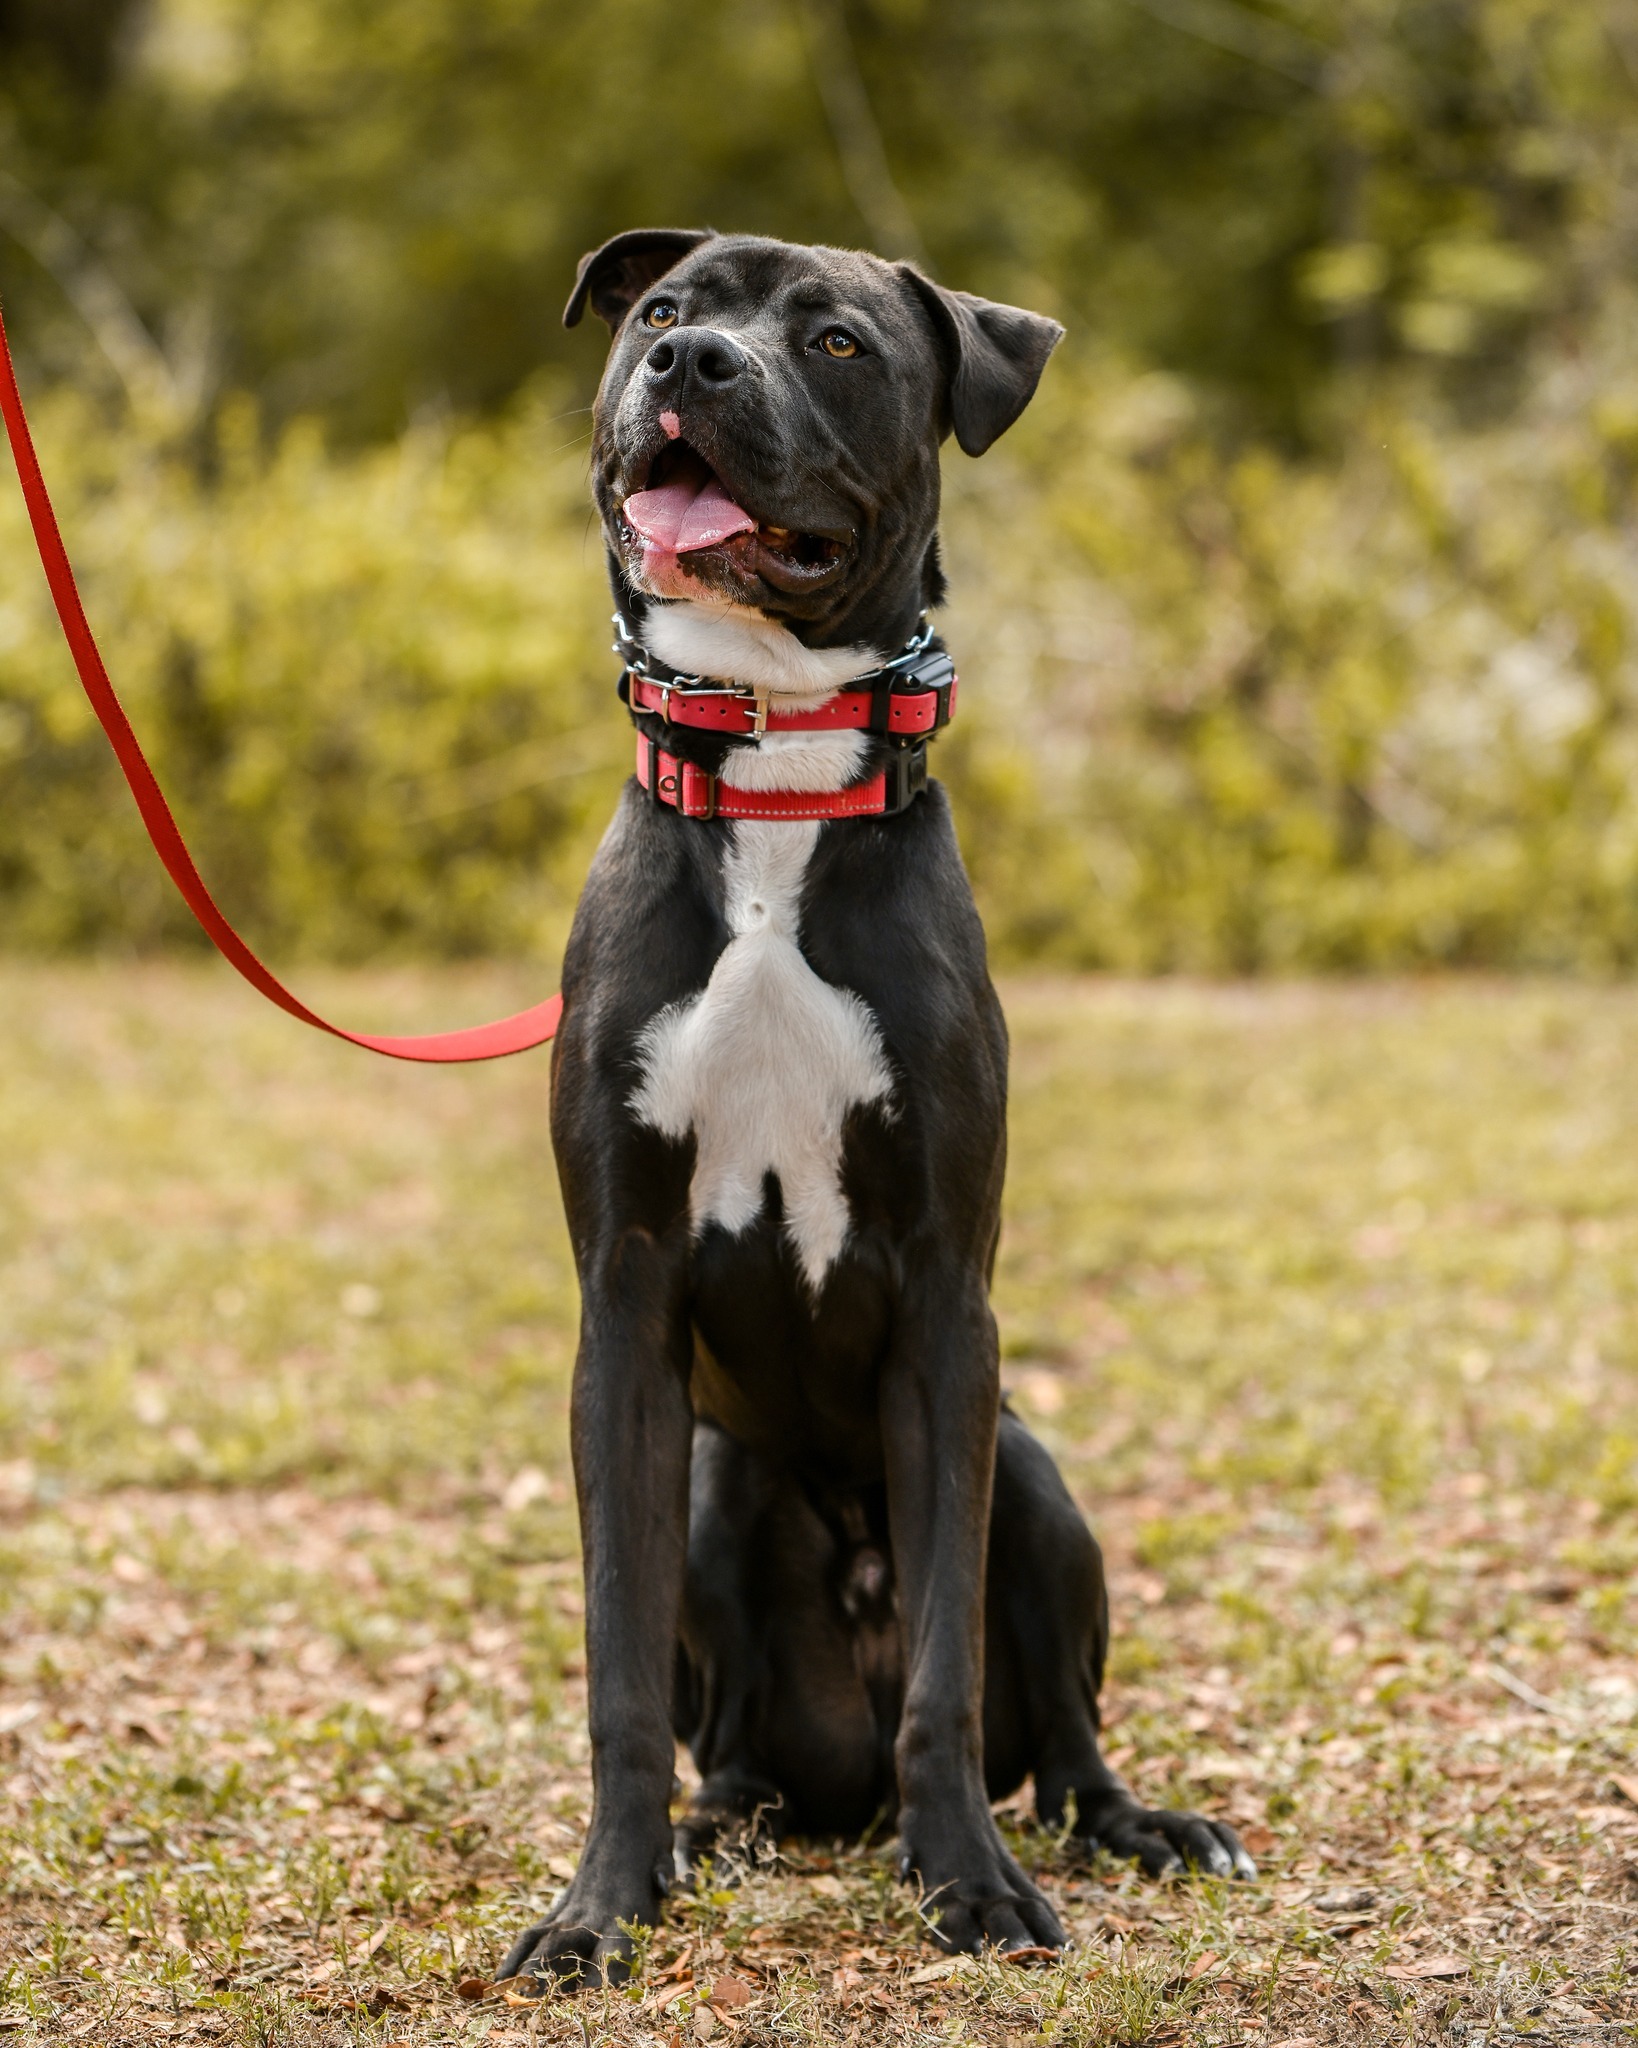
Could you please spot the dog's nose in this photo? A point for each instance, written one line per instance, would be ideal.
(698, 356)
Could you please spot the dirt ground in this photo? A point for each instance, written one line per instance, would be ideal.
(1324, 1297)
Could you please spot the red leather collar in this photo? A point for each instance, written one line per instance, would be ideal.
(697, 793)
(730, 708)
(905, 703)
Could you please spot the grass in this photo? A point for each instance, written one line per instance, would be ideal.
(1324, 1296)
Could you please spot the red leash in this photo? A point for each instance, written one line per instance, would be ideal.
(481, 1042)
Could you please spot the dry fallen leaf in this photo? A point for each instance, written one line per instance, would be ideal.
(1627, 1787)
(1427, 1966)
(732, 1991)
(1355, 1900)
(473, 1988)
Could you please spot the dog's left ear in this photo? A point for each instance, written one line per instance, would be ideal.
(611, 279)
(994, 356)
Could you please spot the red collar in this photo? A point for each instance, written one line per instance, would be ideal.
(904, 702)
(698, 793)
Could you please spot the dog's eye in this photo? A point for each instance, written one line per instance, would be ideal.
(663, 313)
(838, 342)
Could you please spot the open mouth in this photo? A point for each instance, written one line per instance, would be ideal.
(684, 509)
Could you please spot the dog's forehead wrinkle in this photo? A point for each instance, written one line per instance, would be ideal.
(756, 275)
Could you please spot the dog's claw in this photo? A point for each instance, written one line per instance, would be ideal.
(1028, 1953)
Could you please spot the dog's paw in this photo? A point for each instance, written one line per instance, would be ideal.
(582, 1940)
(737, 1816)
(1163, 1840)
(978, 1898)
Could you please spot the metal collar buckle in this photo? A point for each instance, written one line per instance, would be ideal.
(689, 686)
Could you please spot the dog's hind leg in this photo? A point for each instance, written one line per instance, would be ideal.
(773, 1697)
(1047, 1632)
(722, 1674)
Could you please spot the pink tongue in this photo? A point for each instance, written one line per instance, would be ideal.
(680, 517)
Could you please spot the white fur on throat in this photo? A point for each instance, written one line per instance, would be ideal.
(765, 1063)
(735, 644)
(796, 760)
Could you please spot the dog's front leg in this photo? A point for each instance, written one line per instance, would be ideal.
(632, 1429)
(940, 1404)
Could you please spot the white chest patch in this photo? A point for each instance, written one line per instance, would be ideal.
(765, 1063)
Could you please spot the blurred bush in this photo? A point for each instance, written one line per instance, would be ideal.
(375, 687)
(1224, 709)
(1233, 711)
(1296, 616)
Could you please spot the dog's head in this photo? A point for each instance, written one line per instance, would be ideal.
(767, 430)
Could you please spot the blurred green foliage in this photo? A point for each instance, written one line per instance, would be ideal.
(1296, 617)
(1235, 711)
(366, 206)
(375, 687)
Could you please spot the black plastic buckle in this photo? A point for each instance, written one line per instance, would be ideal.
(933, 672)
(936, 672)
(906, 775)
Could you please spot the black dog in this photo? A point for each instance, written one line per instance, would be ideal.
(815, 1545)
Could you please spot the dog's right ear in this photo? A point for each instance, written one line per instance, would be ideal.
(611, 279)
